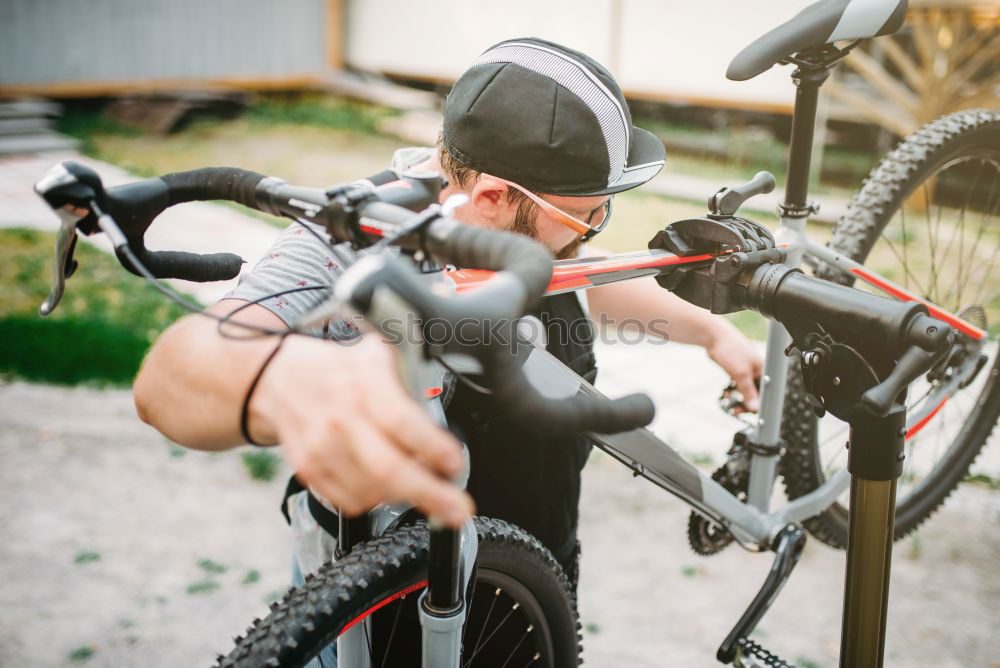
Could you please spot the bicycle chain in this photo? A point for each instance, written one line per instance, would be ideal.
(705, 536)
(758, 656)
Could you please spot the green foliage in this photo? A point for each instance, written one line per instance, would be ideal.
(318, 111)
(689, 571)
(592, 628)
(81, 654)
(202, 587)
(85, 557)
(100, 331)
(87, 124)
(211, 567)
(261, 464)
(746, 150)
(982, 479)
(703, 459)
(251, 577)
(176, 451)
(753, 325)
(804, 662)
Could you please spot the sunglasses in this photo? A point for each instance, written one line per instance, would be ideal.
(596, 221)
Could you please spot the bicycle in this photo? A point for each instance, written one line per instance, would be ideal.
(389, 554)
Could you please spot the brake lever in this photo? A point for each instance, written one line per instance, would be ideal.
(65, 188)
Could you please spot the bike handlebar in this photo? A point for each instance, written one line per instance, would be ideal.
(523, 266)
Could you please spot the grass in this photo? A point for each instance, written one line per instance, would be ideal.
(212, 567)
(100, 331)
(81, 654)
(86, 557)
(311, 140)
(742, 152)
(202, 587)
(318, 111)
(990, 482)
(261, 464)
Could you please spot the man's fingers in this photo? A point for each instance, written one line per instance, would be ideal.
(436, 497)
(745, 384)
(398, 415)
(401, 478)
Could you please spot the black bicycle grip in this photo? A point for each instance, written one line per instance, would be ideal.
(134, 206)
(225, 183)
(577, 414)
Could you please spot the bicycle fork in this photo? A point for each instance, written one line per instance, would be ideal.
(443, 605)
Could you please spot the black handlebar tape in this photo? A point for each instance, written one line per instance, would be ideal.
(481, 248)
(185, 266)
(134, 206)
(576, 414)
(225, 183)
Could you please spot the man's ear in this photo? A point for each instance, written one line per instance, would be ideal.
(489, 198)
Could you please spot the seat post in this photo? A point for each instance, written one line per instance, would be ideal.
(807, 82)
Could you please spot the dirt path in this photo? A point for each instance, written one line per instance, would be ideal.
(81, 480)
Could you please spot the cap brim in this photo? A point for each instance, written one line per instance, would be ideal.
(645, 160)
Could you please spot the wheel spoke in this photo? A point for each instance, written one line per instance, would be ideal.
(990, 208)
(368, 637)
(906, 267)
(514, 651)
(961, 218)
(392, 632)
(489, 613)
(493, 633)
(933, 244)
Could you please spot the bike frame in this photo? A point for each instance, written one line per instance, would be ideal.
(752, 522)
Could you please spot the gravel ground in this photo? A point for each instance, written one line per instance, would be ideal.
(107, 529)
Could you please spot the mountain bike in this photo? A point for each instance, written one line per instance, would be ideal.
(490, 592)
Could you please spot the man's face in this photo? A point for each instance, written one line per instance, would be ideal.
(530, 219)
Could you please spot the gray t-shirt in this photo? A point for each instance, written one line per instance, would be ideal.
(298, 259)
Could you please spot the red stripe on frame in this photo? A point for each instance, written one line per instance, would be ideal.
(912, 431)
(899, 293)
(399, 594)
(576, 274)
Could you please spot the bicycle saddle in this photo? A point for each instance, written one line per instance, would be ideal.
(820, 23)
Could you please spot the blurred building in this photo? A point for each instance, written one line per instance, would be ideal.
(672, 51)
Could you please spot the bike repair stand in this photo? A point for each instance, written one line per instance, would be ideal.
(852, 374)
(875, 462)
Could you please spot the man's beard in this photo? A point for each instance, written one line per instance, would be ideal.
(524, 223)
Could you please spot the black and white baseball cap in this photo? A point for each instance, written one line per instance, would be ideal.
(550, 119)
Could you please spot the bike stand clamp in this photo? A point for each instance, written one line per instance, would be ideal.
(789, 544)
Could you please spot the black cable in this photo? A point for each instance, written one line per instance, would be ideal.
(227, 319)
(190, 306)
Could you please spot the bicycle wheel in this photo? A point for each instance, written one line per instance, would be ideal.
(520, 609)
(927, 219)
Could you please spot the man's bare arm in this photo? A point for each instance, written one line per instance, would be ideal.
(664, 314)
(340, 412)
(192, 382)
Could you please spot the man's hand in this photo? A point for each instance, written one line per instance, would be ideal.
(737, 356)
(352, 432)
